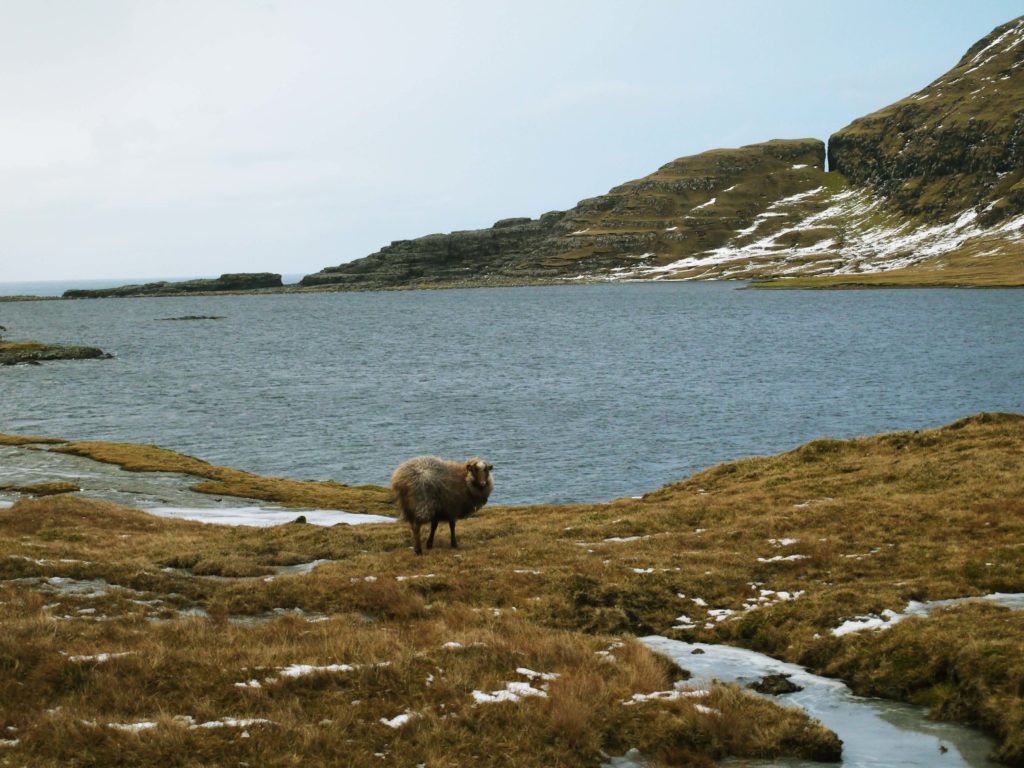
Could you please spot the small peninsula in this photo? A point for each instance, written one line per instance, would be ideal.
(242, 282)
(34, 352)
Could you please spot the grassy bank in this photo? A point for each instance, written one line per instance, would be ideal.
(207, 626)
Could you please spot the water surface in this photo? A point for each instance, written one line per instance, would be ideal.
(875, 732)
(575, 393)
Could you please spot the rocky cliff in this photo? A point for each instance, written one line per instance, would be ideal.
(227, 283)
(929, 189)
(955, 145)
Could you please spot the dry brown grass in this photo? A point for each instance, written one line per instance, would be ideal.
(976, 266)
(879, 521)
(28, 440)
(43, 489)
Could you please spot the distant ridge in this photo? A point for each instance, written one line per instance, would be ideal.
(929, 190)
(227, 283)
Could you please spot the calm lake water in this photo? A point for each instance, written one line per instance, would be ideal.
(575, 393)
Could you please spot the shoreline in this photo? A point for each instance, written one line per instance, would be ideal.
(770, 284)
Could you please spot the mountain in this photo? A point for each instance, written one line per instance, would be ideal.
(929, 190)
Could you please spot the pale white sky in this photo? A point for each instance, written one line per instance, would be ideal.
(158, 138)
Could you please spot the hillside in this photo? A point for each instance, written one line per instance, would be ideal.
(134, 639)
(929, 190)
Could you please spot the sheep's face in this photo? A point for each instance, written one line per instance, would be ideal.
(478, 474)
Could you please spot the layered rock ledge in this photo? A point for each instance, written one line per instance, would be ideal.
(226, 283)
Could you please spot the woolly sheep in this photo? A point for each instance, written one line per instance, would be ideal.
(429, 490)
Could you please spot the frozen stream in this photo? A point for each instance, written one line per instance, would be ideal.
(875, 732)
(166, 494)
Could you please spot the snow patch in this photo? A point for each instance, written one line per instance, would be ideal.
(136, 727)
(513, 692)
(398, 720)
(100, 658)
(890, 618)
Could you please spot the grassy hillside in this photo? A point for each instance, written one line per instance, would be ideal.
(200, 624)
(928, 190)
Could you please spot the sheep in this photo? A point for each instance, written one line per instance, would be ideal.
(429, 490)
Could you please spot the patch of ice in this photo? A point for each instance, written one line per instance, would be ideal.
(289, 570)
(781, 558)
(100, 658)
(681, 690)
(398, 720)
(231, 722)
(142, 726)
(300, 670)
(512, 692)
(890, 618)
(262, 517)
(529, 673)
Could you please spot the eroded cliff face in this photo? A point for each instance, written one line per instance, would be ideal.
(955, 145)
(929, 188)
(472, 256)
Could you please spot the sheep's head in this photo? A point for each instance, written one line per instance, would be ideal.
(478, 474)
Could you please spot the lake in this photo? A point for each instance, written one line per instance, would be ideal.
(575, 393)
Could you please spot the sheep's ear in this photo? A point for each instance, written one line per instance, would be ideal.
(490, 467)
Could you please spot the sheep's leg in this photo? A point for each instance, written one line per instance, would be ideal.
(416, 537)
(451, 525)
(430, 538)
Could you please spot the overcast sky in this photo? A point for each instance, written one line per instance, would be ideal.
(163, 138)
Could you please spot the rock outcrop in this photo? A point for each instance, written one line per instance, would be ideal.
(458, 257)
(14, 352)
(955, 145)
(227, 283)
(929, 189)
